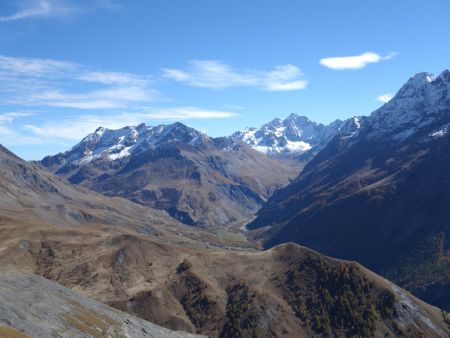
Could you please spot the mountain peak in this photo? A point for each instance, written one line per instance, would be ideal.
(293, 116)
(425, 78)
(99, 130)
(422, 77)
(298, 118)
(294, 134)
(114, 144)
(445, 75)
(418, 103)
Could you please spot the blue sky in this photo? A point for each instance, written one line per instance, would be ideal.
(69, 66)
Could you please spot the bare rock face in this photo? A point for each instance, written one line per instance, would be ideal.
(177, 169)
(378, 192)
(32, 306)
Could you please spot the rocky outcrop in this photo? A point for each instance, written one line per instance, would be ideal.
(32, 306)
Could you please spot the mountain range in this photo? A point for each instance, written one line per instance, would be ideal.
(176, 168)
(199, 180)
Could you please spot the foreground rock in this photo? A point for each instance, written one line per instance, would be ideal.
(32, 306)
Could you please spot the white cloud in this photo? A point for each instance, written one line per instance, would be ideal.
(284, 78)
(111, 78)
(56, 9)
(185, 113)
(11, 116)
(42, 9)
(354, 62)
(218, 75)
(210, 74)
(113, 98)
(29, 67)
(385, 97)
(77, 127)
(177, 75)
(53, 83)
(9, 134)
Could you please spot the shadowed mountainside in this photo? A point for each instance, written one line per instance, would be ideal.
(378, 193)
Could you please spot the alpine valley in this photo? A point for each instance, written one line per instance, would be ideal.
(293, 229)
(198, 180)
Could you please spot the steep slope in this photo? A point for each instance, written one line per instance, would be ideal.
(32, 306)
(378, 193)
(177, 169)
(292, 135)
(27, 189)
(31, 198)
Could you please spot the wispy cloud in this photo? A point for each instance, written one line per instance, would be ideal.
(56, 9)
(76, 127)
(9, 134)
(32, 9)
(385, 97)
(112, 98)
(29, 67)
(30, 82)
(354, 62)
(218, 75)
(113, 78)
(12, 116)
(184, 113)
(53, 83)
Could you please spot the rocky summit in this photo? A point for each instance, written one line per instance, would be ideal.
(292, 135)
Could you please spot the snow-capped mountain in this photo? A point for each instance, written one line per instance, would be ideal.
(107, 144)
(421, 100)
(378, 192)
(293, 134)
(415, 105)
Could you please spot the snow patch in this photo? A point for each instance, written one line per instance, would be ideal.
(125, 152)
(297, 146)
(442, 132)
